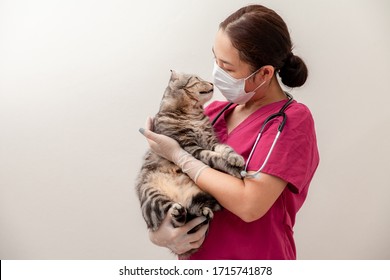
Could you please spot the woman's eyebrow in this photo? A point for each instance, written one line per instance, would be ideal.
(224, 61)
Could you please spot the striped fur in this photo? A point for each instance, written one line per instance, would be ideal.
(161, 184)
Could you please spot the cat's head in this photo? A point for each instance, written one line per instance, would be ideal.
(186, 91)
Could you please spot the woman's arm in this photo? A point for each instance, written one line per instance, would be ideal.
(248, 199)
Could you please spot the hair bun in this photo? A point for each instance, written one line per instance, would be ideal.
(294, 71)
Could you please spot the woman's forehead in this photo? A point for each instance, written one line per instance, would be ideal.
(224, 50)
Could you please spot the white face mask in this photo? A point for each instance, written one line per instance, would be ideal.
(231, 88)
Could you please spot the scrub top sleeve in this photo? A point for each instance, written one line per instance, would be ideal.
(295, 155)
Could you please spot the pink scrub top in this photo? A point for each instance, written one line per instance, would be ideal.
(294, 159)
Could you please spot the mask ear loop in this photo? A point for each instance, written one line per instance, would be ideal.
(259, 86)
(254, 73)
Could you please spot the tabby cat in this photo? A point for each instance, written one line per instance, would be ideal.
(161, 184)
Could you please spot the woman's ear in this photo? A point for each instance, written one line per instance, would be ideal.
(266, 72)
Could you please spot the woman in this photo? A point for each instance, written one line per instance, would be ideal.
(252, 47)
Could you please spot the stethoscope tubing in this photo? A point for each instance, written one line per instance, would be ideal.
(281, 113)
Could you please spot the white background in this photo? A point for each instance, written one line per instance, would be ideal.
(79, 77)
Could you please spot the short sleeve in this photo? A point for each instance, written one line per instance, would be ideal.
(295, 155)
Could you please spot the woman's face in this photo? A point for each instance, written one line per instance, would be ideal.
(227, 57)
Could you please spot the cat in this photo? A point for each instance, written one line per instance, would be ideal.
(161, 184)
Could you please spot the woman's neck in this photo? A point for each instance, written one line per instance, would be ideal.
(272, 93)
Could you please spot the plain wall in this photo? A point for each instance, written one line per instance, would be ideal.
(79, 77)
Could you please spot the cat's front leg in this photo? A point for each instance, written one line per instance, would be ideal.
(221, 157)
(229, 155)
(228, 161)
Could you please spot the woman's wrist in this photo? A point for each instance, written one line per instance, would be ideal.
(189, 164)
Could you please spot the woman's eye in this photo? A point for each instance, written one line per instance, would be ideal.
(223, 67)
(227, 68)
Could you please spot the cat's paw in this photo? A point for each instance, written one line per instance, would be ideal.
(207, 212)
(230, 155)
(179, 214)
(236, 160)
(234, 171)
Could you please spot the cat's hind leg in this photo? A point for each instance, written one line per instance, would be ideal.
(206, 212)
(179, 215)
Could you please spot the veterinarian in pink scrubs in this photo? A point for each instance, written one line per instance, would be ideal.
(252, 47)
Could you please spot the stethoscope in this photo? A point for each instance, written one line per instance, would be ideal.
(282, 114)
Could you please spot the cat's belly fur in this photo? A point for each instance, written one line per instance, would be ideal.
(177, 186)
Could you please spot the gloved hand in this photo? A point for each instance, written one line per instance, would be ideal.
(178, 239)
(168, 148)
(162, 145)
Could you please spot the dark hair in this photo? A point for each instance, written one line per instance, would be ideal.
(262, 38)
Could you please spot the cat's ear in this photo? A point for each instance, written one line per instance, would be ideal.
(174, 75)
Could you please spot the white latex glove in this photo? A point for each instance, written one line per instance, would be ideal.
(168, 148)
(178, 239)
(162, 145)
